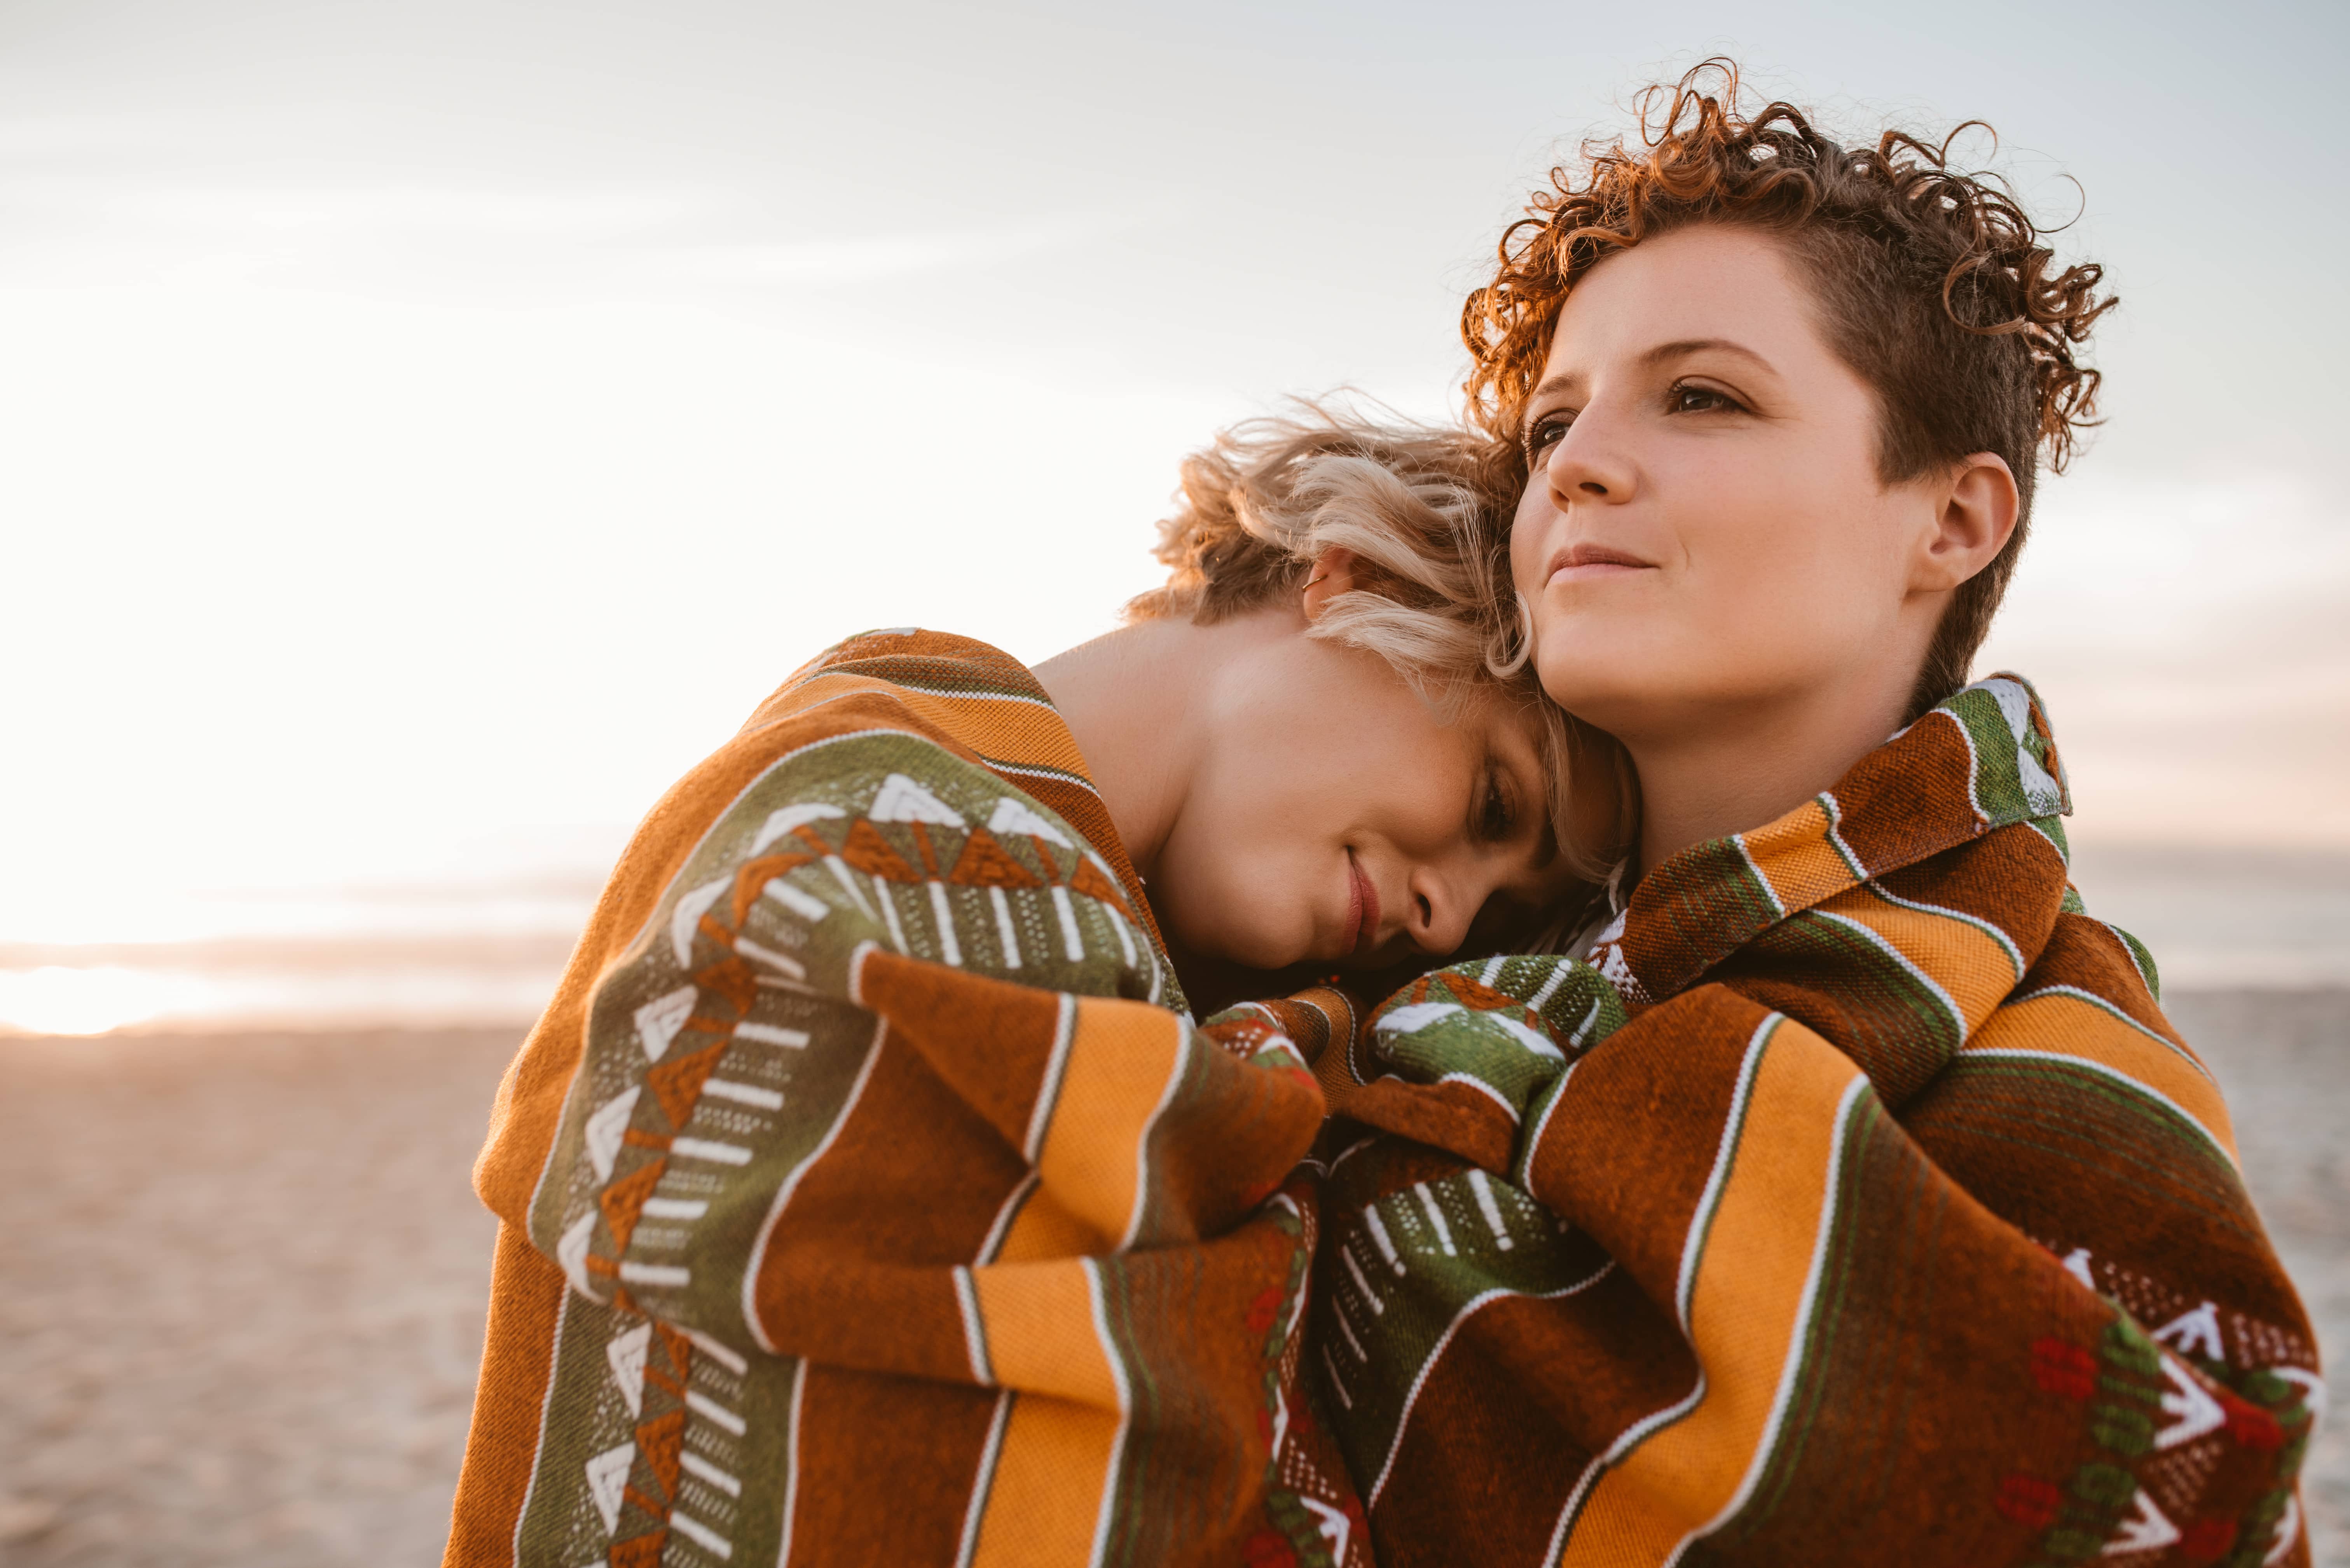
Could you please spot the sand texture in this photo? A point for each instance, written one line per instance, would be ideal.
(241, 1280)
(2283, 1058)
(241, 1283)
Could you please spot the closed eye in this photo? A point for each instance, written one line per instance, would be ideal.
(1497, 812)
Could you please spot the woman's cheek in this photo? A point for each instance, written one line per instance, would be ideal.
(1214, 906)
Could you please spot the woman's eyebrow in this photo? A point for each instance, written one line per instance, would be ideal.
(1680, 349)
(1565, 380)
(1684, 347)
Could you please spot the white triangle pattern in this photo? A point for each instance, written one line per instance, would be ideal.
(1332, 1525)
(1533, 1040)
(903, 800)
(791, 816)
(2076, 1264)
(2014, 703)
(2147, 1529)
(2041, 792)
(2311, 1387)
(627, 1353)
(2201, 1327)
(2288, 1531)
(1413, 1016)
(607, 1126)
(687, 916)
(1013, 817)
(2193, 1411)
(659, 1021)
(571, 1252)
(608, 1478)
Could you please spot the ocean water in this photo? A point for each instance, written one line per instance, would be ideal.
(371, 957)
(2226, 920)
(489, 953)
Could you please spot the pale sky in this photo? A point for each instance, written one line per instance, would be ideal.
(430, 427)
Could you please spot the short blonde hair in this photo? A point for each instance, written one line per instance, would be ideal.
(1422, 509)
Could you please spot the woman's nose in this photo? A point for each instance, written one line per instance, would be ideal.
(1588, 463)
(1439, 917)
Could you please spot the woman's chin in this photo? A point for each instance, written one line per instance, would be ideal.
(1217, 943)
(1216, 980)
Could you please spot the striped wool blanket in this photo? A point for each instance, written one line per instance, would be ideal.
(866, 1196)
(1859, 1206)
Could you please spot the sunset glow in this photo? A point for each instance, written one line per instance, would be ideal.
(55, 1000)
(411, 460)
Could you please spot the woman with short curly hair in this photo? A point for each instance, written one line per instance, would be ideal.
(1930, 283)
(1889, 1221)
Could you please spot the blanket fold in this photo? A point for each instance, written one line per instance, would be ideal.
(868, 1193)
(1904, 1225)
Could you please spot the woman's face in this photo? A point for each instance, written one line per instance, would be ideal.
(1332, 819)
(1704, 528)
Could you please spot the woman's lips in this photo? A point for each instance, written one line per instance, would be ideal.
(1362, 905)
(1587, 563)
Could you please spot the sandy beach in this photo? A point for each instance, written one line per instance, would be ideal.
(242, 1279)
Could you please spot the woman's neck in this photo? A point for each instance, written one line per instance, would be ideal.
(1136, 701)
(1131, 701)
(1739, 767)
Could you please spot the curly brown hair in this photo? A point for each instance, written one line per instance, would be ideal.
(1933, 284)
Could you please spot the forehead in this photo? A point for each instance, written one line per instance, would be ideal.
(1709, 282)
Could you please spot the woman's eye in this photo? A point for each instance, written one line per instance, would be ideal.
(1545, 433)
(1688, 399)
(1495, 820)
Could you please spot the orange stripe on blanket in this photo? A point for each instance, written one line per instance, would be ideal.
(1971, 966)
(1044, 1228)
(1123, 1056)
(1746, 1314)
(517, 1363)
(1044, 1507)
(2066, 1024)
(1795, 856)
(1009, 728)
(1040, 1333)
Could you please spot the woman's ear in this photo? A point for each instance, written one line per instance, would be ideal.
(1973, 524)
(1333, 574)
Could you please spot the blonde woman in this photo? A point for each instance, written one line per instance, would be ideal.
(868, 1194)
